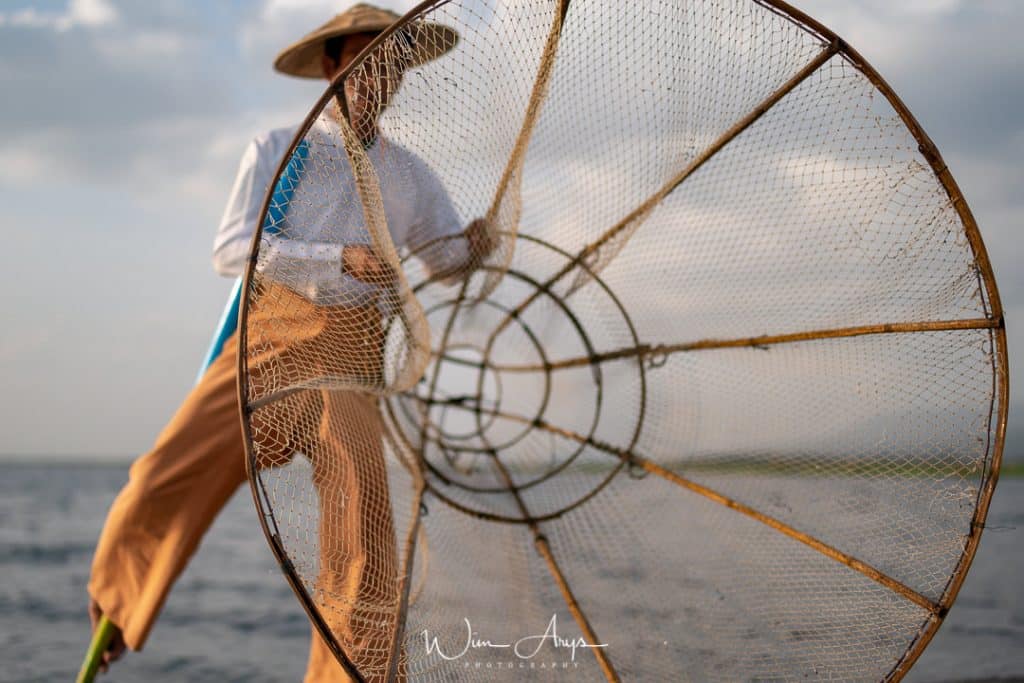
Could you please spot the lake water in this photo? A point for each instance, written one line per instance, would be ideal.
(232, 617)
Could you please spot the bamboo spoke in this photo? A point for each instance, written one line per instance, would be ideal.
(808, 540)
(649, 351)
(825, 549)
(588, 252)
(511, 177)
(537, 95)
(577, 612)
(780, 526)
(544, 548)
(405, 584)
(632, 221)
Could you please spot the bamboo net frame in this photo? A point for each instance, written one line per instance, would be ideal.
(543, 285)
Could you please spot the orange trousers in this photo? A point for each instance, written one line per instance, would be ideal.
(175, 491)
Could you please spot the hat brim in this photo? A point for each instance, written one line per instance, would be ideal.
(429, 41)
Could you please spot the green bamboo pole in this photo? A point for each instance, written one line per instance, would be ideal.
(100, 640)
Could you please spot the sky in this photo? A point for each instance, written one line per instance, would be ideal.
(122, 128)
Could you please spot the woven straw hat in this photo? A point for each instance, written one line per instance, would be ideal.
(429, 40)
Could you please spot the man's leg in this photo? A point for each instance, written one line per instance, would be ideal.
(356, 537)
(172, 496)
(358, 581)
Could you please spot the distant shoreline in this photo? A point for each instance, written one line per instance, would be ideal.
(1014, 468)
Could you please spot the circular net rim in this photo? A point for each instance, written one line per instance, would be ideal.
(994, 322)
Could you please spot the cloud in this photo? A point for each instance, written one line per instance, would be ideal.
(89, 13)
(145, 44)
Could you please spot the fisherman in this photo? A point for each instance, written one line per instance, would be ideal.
(198, 461)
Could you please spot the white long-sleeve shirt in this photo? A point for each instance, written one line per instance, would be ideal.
(325, 214)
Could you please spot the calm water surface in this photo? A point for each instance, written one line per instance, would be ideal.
(231, 617)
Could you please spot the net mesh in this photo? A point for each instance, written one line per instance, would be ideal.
(657, 323)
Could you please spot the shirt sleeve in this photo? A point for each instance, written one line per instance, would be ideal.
(231, 244)
(301, 263)
(280, 257)
(436, 220)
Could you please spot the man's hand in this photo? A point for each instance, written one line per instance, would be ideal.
(481, 241)
(116, 647)
(359, 261)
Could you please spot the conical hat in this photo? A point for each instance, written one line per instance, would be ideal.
(302, 58)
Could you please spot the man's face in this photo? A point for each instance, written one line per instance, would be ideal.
(350, 48)
(370, 87)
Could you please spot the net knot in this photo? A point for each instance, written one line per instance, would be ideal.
(634, 469)
(655, 357)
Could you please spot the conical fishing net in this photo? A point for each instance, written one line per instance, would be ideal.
(659, 323)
